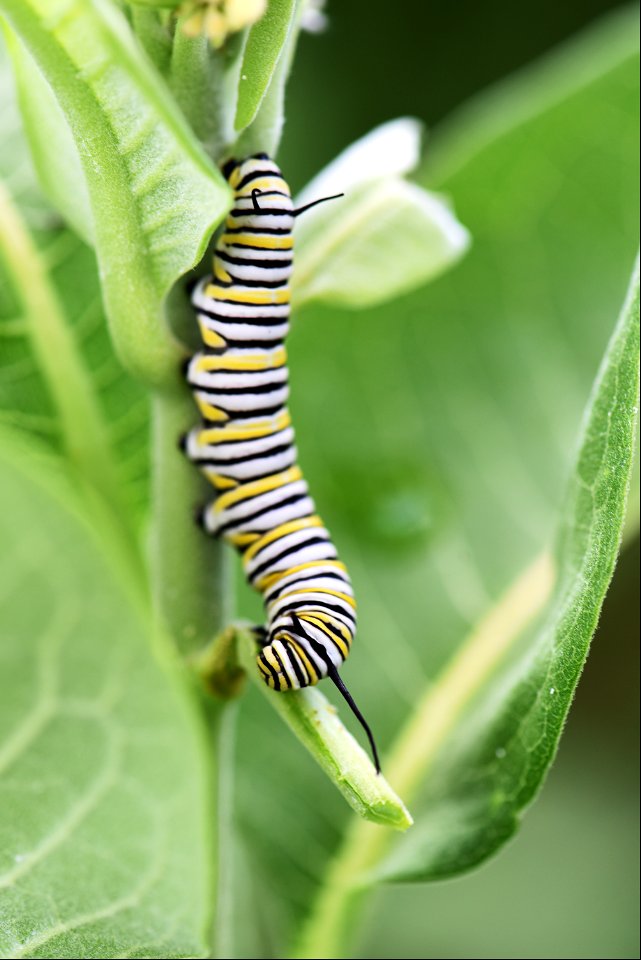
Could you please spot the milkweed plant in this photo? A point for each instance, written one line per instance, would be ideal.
(153, 803)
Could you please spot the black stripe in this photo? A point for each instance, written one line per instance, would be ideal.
(318, 648)
(337, 633)
(277, 657)
(264, 344)
(236, 461)
(272, 231)
(245, 246)
(242, 303)
(246, 414)
(255, 320)
(240, 282)
(294, 548)
(270, 669)
(248, 262)
(256, 175)
(232, 443)
(240, 391)
(307, 605)
(293, 660)
(256, 344)
(301, 576)
(234, 524)
(238, 212)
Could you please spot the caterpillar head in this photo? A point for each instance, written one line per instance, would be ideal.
(259, 188)
(260, 192)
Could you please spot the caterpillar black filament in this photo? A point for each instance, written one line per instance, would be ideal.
(245, 445)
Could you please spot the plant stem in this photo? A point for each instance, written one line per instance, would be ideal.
(336, 911)
(191, 596)
(189, 571)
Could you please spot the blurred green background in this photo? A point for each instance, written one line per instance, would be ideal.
(567, 886)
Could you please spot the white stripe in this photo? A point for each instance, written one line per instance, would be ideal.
(256, 273)
(245, 331)
(314, 601)
(241, 448)
(274, 517)
(237, 403)
(282, 543)
(317, 551)
(256, 467)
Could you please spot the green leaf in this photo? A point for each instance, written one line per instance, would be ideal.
(384, 236)
(437, 431)
(387, 238)
(51, 143)
(266, 43)
(76, 398)
(477, 791)
(155, 197)
(114, 862)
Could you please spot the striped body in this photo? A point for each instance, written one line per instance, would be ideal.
(245, 445)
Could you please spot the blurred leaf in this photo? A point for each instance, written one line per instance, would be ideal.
(383, 239)
(385, 236)
(155, 197)
(51, 143)
(113, 863)
(69, 270)
(475, 792)
(393, 149)
(264, 46)
(437, 431)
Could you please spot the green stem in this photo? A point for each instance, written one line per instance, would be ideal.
(222, 937)
(191, 596)
(337, 909)
(189, 571)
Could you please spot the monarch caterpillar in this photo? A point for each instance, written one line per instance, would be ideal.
(245, 444)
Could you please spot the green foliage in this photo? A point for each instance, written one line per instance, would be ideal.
(104, 841)
(482, 781)
(155, 198)
(266, 43)
(437, 433)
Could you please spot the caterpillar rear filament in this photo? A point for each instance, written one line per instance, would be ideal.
(245, 444)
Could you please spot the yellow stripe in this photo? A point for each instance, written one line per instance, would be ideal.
(270, 579)
(220, 482)
(267, 242)
(281, 531)
(220, 273)
(210, 412)
(210, 337)
(247, 361)
(271, 181)
(247, 296)
(327, 618)
(333, 593)
(258, 486)
(319, 622)
(240, 539)
(271, 659)
(261, 429)
(269, 680)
